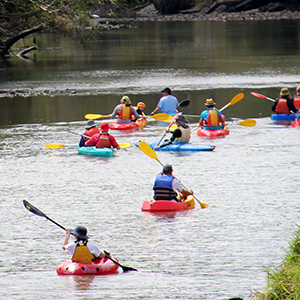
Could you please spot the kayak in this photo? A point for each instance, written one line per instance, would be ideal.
(212, 133)
(128, 126)
(279, 118)
(103, 266)
(182, 147)
(93, 151)
(166, 205)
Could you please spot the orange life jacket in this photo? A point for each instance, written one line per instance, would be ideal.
(82, 253)
(281, 107)
(103, 141)
(125, 112)
(92, 131)
(213, 118)
(297, 101)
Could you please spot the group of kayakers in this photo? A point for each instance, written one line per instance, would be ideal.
(285, 103)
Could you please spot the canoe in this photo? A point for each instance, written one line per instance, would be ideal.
(288, 118)
(212, 133)
(93, 151)
(103, 266)
(182, 147)
(166, 205)
(128, 126)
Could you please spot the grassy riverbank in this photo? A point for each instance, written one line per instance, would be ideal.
(284, 281)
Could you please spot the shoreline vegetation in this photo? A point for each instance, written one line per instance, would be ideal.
(283, 283)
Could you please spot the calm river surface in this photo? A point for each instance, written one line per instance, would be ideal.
(250, 181)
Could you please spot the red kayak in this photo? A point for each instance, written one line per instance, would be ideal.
(129, 126)
(212, 133)
(296, 123)
(103, 266)
(166, 205)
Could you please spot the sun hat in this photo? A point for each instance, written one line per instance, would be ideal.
(284, 92)
(141, 104)
(167, 90)
(209, 102)
(167, 169)
(90, 124)
(181, 119)
(80, 231)
(104, 126)
(127, 99)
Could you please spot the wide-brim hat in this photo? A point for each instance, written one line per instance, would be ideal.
(209, 102)
(90, 124)
(104, 126)
(181, 119)
(284, 92)
(80, 232)
(141, 104)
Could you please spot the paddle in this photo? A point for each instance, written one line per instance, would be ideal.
(95, 116)
(184, 103)
(261, 96)
(234, 100)
(171, 123)
(58, 146)
(160, 116)
(150, 152)
(37, 212)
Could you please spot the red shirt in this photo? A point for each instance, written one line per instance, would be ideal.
(95, 138)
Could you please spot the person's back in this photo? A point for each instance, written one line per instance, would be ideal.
(211, 118)
(284, 103)
(91, 129)
(167, 104)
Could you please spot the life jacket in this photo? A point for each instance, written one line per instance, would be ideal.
(281, 107)
(82, 253)
(185, 135)
(297, 101)
(163, 188)
(125, 112)
(92, 131)
(213, 118)
(104, 141)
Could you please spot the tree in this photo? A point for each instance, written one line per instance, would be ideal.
(19, 18)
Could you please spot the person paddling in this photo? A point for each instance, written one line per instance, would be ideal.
(166, 186)
(82, 249)
(167, 103)
(180, 135)
(284, 103)
(211, 118)
(103, 139)
(91, 129)
(296, 98)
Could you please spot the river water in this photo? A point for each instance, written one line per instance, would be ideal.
(250, 180)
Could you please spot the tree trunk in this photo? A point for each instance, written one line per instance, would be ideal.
(5, 46)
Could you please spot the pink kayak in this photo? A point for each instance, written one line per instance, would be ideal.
(212, 133)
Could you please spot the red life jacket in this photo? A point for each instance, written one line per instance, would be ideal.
(125, 113)
(213, 118)
(281, 107)
(103, 141)
(297, 101)
(92, 131)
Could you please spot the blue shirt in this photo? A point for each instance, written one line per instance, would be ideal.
(168, 104)
(204, 116)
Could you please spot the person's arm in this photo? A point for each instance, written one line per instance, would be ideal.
(93, 140)
(156, 110)
(115, 112)
(291, 106)
(66, 241)
(179, 188)
(113, 142)
(274, 105)
(176, 134)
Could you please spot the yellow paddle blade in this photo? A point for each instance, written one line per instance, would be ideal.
(161, 117)
(148, 151)
(93, 116)
(248, 122)
(237, 98)
(54, 146)
(173, 127)
(124, 145)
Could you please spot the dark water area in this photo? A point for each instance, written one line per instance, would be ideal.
(249, 181)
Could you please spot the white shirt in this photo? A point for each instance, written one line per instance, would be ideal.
(91, 246)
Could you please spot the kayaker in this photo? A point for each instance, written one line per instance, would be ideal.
(103, 139)
(125, 111)
(211, 118)
(182, 134)
(167, 187)
(140, 110)
(296, 99)
(167, 103)
(91, 129)
(82, 249)
(284, 103)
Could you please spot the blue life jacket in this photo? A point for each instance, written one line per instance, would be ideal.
(163, 187)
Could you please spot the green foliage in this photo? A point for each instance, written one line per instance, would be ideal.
(284, 281)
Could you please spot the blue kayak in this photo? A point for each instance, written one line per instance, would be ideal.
(284, 117)
(182, 147)
(93, 151)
